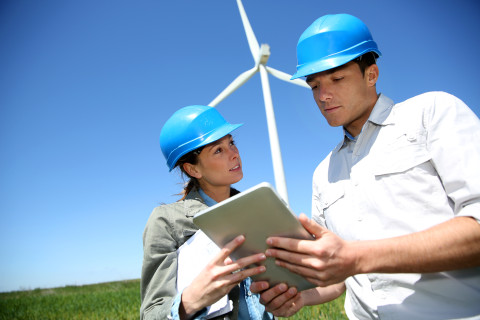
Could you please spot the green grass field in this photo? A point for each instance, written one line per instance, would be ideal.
(108, 301)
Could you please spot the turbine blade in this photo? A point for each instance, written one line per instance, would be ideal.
(252, 40)
(286, 77)
(237, 83)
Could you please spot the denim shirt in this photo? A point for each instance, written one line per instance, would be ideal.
(249, 304)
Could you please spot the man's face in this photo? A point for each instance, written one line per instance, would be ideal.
(345, 96)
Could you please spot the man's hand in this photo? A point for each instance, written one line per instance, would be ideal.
(324, 261)
(280, 300)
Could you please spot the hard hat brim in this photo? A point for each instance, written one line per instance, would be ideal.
(330, 63)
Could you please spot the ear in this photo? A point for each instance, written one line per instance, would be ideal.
(192, 170)
(371, 75)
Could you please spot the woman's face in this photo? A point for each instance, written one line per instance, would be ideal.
(219, 164)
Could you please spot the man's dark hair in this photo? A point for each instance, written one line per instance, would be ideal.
(366, 60)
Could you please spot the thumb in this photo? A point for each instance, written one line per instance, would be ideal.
(311, 226)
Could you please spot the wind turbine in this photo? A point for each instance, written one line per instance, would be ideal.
(260, 55)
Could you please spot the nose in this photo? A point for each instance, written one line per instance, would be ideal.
(323, 93)
(234, 153)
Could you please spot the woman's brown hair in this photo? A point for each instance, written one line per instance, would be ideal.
(192, 158)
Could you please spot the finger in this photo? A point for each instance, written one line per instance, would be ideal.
(259, 286)
(311, 226)
(314, 276)
(290, 307)
(270, 294)
(289, 244)
(242, 263)
(237, 277)
(228, 249)
(295, 258)
(280, 300)
(296, 245)
(304, 264)
(228, 280)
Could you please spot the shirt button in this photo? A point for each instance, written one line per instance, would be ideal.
(411, 138)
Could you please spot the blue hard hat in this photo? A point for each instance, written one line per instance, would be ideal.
(332, 41)
(190, 128)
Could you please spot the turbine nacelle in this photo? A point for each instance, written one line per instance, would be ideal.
(264, 54)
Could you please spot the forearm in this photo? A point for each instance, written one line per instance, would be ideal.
(454, 244)
(321, 295)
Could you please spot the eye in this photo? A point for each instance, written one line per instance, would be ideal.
(232, 142)
(336, 79)
(218, 150)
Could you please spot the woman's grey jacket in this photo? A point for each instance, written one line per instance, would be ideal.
(168, 227)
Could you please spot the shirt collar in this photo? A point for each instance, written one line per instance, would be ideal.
(381, 111)
(380, 115)
(208, 201)
(349, 136)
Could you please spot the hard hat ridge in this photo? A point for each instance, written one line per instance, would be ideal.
(190, 128)
(331, 41)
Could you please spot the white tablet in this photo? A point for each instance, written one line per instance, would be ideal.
(257, 213)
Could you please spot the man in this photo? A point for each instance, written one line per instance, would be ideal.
(396, 205)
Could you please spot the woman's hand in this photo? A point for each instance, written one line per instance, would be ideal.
(218, 278)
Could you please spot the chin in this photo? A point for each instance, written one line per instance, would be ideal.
(235, 180)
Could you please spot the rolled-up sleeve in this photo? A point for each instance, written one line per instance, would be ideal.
(454, 145)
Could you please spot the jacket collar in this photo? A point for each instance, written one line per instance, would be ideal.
(194, 202)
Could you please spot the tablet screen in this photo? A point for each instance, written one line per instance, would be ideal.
(257, 213)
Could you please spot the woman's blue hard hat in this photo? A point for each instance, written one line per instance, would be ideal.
(190, 128)
(332, 41)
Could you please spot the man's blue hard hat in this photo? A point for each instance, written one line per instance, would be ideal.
(190, 128)
(332, 41)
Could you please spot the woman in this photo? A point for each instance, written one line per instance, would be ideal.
(197, 140)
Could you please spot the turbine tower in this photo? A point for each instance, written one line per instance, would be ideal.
(260, 55)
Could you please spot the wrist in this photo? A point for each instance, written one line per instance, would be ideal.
(189, 305)
(361, 260)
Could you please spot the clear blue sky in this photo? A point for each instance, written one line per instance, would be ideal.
(85, 87)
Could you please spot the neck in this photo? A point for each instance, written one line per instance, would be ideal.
(217, 193)
(356, 127)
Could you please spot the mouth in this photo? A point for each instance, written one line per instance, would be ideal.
(330, 109)
(237, 167)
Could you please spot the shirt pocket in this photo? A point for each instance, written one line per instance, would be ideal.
(329, 197)
(406, 152)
